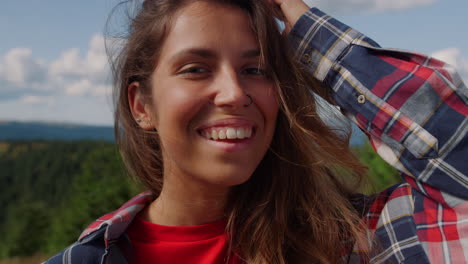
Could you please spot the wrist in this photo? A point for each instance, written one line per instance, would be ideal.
(293, 10)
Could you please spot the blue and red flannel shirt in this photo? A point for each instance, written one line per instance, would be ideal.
(414, 110)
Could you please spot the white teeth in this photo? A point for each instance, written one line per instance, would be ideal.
(222, 134)
(231, 133)
(214, 135)
(248, 133)
(227, 133)
(240, 133)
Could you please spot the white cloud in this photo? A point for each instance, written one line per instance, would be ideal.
(44, 86)
(353, 6)
(96, 59)
(92, 66)
(20, 68)
(453, 56)
(87, 87)
(69, 63)
(60, 108)
(71, 73)
(82, 75)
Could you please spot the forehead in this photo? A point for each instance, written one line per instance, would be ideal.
(210, 25)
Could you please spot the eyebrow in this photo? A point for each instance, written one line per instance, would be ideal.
(209, 54)
(251, 53)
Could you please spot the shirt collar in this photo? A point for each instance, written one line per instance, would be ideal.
(117, 222)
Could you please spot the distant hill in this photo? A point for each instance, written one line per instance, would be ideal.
(12, 130)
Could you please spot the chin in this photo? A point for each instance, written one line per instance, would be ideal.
(230, 180)
(227, 177)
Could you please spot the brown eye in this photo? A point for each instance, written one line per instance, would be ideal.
(254, 71)
(194, 70)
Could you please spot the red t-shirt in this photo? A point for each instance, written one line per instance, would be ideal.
(179, 244)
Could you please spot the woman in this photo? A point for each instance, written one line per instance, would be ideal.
(215, 115)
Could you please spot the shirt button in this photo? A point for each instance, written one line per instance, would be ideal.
(361, 99)
(306, 58)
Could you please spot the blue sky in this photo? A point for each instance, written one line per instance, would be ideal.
(53, 66)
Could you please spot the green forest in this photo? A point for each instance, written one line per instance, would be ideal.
(51, 190)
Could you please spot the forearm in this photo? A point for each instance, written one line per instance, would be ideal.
(413, 107)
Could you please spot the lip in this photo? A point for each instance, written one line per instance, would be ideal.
(229, 122)
(229, 145)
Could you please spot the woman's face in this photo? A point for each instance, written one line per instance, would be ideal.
(208, 63)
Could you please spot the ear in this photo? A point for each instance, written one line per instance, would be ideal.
(140, 110)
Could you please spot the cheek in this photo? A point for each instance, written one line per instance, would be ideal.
(267, 101)
(175, 107)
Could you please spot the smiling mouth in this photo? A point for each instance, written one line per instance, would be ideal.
(227, 134)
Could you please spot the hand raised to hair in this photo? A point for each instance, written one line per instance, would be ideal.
(289, 11)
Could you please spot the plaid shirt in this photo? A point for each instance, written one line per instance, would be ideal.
(414, 110)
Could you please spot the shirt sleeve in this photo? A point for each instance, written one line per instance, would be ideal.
(412, 107)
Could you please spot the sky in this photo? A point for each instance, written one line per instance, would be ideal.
(53, 65)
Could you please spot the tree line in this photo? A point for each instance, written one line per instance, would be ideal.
(51, 190)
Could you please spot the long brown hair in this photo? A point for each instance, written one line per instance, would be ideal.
(296, 206)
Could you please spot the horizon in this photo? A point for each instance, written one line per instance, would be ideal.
(53, 122)
(53, 66)
(37, 130)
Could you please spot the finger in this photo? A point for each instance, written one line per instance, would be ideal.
(279, 2)
(292, 10)
(278, 13)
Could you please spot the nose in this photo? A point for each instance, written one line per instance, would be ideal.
(230, 91)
